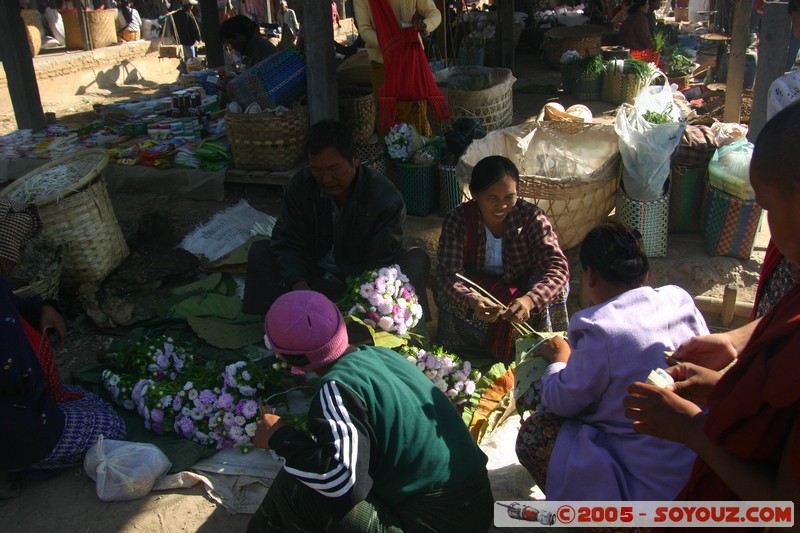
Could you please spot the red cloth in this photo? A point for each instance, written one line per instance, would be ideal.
(771, 260)
(403, 55)
(44, 353)
(754, 406)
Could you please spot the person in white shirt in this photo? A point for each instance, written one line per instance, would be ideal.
(289, 25)
(54, 21)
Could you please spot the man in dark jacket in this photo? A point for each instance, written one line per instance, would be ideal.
(187, 28)
(338, 219)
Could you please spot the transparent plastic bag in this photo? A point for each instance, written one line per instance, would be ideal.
(124, 470)
(729, 169)
(647, 148)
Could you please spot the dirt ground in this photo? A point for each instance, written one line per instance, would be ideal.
(68, 502)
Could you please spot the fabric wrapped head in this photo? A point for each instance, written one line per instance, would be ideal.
(306, 323)
(18, 225)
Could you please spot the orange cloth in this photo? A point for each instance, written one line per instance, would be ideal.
(753, 407)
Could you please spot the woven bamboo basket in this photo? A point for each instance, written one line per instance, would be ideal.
(357, 110)
(100, 25)
(46, 286)
(576, 197)
(492, 107)
(683, 81)
(267, 142)
(681, 14)
(81, 219)
(586, 40)
(34, 29)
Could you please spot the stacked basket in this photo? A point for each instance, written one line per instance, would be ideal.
(492, 107)
(263, 141)
(357, 110)
(34, 29)
(80, 218)
(586, 40)
(101, 26)
(278, 80)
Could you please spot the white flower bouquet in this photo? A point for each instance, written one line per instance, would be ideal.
(383, 299)
(454, 377)
(403, 140)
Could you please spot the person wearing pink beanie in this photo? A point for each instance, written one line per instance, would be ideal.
(388, 448)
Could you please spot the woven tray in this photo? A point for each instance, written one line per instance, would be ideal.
(101, 26)
(492, 107)
(267, 142)
(82, 220)
(586, 40)
(357, 110)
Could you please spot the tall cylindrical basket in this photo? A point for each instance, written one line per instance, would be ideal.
(418, 184)
(651, 218)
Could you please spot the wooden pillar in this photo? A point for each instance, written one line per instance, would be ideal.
(504, 34)
(210, 31)
(18, 64)
(773, 46)
(323, 100)
(736, 60)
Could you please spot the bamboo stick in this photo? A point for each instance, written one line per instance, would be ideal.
(525, 328)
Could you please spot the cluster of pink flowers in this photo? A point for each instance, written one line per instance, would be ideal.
(384, 299)
(454, 377)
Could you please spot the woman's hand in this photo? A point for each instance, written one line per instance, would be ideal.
(519, 310)
(555, 350)
(714, 351)
(693, 382)
(484, 309)
(51, 320)
(662, 413)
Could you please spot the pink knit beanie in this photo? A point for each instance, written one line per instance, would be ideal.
(306, 323)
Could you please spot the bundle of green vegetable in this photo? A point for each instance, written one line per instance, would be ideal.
(665, 117)
(640, 68)
(677, 63)
(590, 67)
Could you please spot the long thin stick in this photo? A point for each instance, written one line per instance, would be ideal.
(516, 326)
(523, 329)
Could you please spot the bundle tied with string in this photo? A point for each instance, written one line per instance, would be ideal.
(403, 54)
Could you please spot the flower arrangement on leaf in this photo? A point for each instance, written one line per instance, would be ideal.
(454, 377)
(208, 404)
(383, 299)
(403, 140)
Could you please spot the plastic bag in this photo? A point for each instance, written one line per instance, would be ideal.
(124, 470)
(647, 148)
(729, 169)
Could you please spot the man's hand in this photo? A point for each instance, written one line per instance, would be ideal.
(419, 24)
(266, 426)
(51, 320)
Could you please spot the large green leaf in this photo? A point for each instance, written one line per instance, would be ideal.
(207, 284)
(362, 333)
(214, 305)
(226, 335)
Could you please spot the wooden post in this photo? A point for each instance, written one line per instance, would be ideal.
(504, 35)
(728, 304)
(323, 99)
(210, 30)
(736, 60)
(772, 49)
(18, 64)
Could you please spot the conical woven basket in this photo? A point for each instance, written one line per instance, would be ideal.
(81, 219)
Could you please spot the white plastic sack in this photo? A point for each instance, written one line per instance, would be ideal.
(647, 148)
(124, 470)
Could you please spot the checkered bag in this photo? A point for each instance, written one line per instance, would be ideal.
(696, 148)
(730, 224)
(650, 217)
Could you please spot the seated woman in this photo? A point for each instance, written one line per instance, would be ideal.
(635, 30)
(614, 343)
(43, 425)
(129, 21)
(748, 443)
(508, 247)
(244, 36)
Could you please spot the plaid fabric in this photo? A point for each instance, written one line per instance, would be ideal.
(530, 251)
(696, 148)
(84, 421)
(18, 224)
(730, 224)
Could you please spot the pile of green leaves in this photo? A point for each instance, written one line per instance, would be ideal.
(664, 117)
(640, 68)
(472, 82)
(677, 63)
(590, 67)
